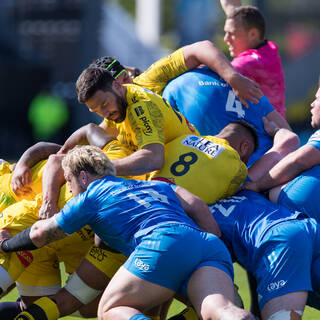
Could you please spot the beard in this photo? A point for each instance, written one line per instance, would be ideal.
(122, 108)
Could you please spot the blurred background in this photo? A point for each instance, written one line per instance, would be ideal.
(44, 45)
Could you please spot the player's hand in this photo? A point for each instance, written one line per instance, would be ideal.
(4, 235)
(48, 210)
(245, 89)
(270, 127)
(21, 179)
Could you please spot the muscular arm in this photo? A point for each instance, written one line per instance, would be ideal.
(198, 211)
(284, 142)
(204, 52)
(229, 5)
(37, 236)
(21, 176)
(88, 134)
(288, 168)
(147, 159)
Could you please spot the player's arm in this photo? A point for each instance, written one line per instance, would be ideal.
(36, 236)
(229, 5)
(287, 169)
(198, 211)
(22, 175)
(205, 52)
(89, 134)
(148, 158)
(284, 142)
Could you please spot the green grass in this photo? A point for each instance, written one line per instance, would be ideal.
(240, 280)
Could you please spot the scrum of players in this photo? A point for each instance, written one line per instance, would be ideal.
(191, 169)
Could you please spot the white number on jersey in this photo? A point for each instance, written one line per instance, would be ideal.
(234, 105)
(154, 194)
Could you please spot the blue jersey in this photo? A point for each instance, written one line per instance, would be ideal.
(244, 219)
(122, 211)
(314, 140)
(209, 103)
(301, 193)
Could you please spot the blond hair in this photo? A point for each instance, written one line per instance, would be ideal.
(90, 159)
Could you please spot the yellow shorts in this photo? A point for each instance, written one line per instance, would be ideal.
(40, 267)
(106, 261)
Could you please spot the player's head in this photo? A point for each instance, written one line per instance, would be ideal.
(244, 29)
(112, 65)
(242, 137)
(97, 88)
(84, 164)
(315, 110)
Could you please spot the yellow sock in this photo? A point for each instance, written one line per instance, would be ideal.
(42, 309)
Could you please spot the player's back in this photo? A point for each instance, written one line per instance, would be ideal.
(209, 103)
(245, 218)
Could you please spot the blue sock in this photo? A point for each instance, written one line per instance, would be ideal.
(139, 316)
(9, 310)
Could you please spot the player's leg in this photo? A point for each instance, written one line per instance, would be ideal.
(128, 294)
(153, 272)
(211, 292)
(283, 277)
(84, 288)
(287, 307)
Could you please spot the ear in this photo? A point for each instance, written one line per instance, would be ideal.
(244, 149)
(116, 85)
(254, 34)
(83, 178)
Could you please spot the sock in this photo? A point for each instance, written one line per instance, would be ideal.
(42, 309)
(9, 309)
(139, 316)
(186, 314)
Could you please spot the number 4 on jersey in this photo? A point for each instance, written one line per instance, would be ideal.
(234, 105)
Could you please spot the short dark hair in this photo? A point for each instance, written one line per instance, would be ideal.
(110, 64)
(251, 130)
(91, 80)
(250, 17)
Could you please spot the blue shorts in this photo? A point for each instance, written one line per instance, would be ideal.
(284, 258)
(170, 254)
(302, 193)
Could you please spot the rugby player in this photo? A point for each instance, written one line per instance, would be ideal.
(294, 181)
(262, 237)
(210, 103)
(253, 55)
(154, 214)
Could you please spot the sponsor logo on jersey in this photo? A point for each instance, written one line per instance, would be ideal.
(276, 285)
(141, 265)
(204, 145)
(148, 130)
(25, 257)
(139, 111)
(213, 83)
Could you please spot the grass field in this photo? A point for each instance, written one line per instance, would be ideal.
(240, 280)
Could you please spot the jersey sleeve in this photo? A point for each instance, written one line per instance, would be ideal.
(74, 215)
(146, 121)
(314, 140)
(266, 106)
(162, 71)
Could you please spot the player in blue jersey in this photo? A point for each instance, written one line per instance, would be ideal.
(295, 179)
(281, 248)
(167, 252)
(204, 98)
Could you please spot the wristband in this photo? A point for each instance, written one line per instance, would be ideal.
(19, 242)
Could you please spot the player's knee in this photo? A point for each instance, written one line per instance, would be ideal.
(80, 290)
(287, 315)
